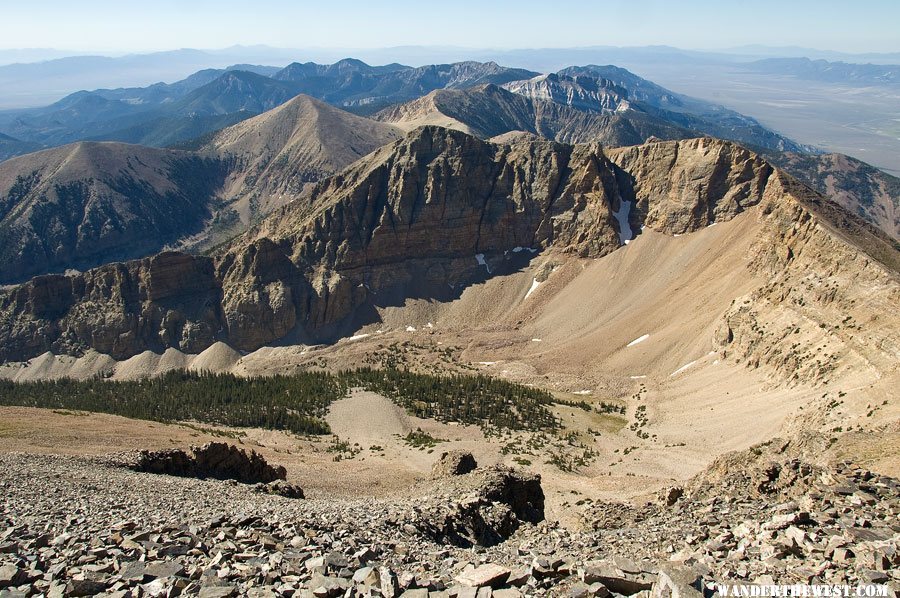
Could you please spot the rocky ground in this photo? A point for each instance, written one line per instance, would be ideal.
(83, 526)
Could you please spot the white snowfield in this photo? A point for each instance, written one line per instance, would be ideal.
(682, 368)
(479, 257)
(625, 232)
(534, 285)
(639, 339)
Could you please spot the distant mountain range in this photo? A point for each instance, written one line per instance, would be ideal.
(171, 114)
(841, 73)
(163, 115)
(245, 143)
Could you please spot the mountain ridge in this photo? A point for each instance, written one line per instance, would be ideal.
(312, 270)
(488, 111)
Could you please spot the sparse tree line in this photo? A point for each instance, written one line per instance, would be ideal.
(469, 399)
(296, 403)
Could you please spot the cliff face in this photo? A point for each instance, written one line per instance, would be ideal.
(680, 187)
(169, 300)
(424, 217)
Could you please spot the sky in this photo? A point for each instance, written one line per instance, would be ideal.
(132, 26)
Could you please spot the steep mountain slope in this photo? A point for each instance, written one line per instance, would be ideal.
(274, 155)
(83, 205)
(440, 227)
(235, 91)
(855, 185)
(488, 111)
(86, 204)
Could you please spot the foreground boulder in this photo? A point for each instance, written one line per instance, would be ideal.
(453, 463)
(217, 460)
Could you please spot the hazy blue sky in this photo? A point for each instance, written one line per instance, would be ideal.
(128, 25)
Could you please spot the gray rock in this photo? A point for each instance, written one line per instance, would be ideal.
(485, 575)
(218, 591)
(84, 587)
(674, 581)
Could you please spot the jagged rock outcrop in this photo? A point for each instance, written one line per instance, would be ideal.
(591, 94)
(681, 187)
(218, 460)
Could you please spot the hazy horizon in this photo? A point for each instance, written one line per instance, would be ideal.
(106, 27)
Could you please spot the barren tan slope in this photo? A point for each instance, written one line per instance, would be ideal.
(280, 151)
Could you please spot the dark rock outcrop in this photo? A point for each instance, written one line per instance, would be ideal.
(217, 460)
(496, 501)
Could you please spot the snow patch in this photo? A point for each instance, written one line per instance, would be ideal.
(479, 257)
(637, 377)
(520, 249)
(682, 368)
(429, 325)
(356, 337)
(534, 285)
(486, 362)
(625, 232)
(583, 392)
(639, 339)
(536, 340)
(410, 328)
